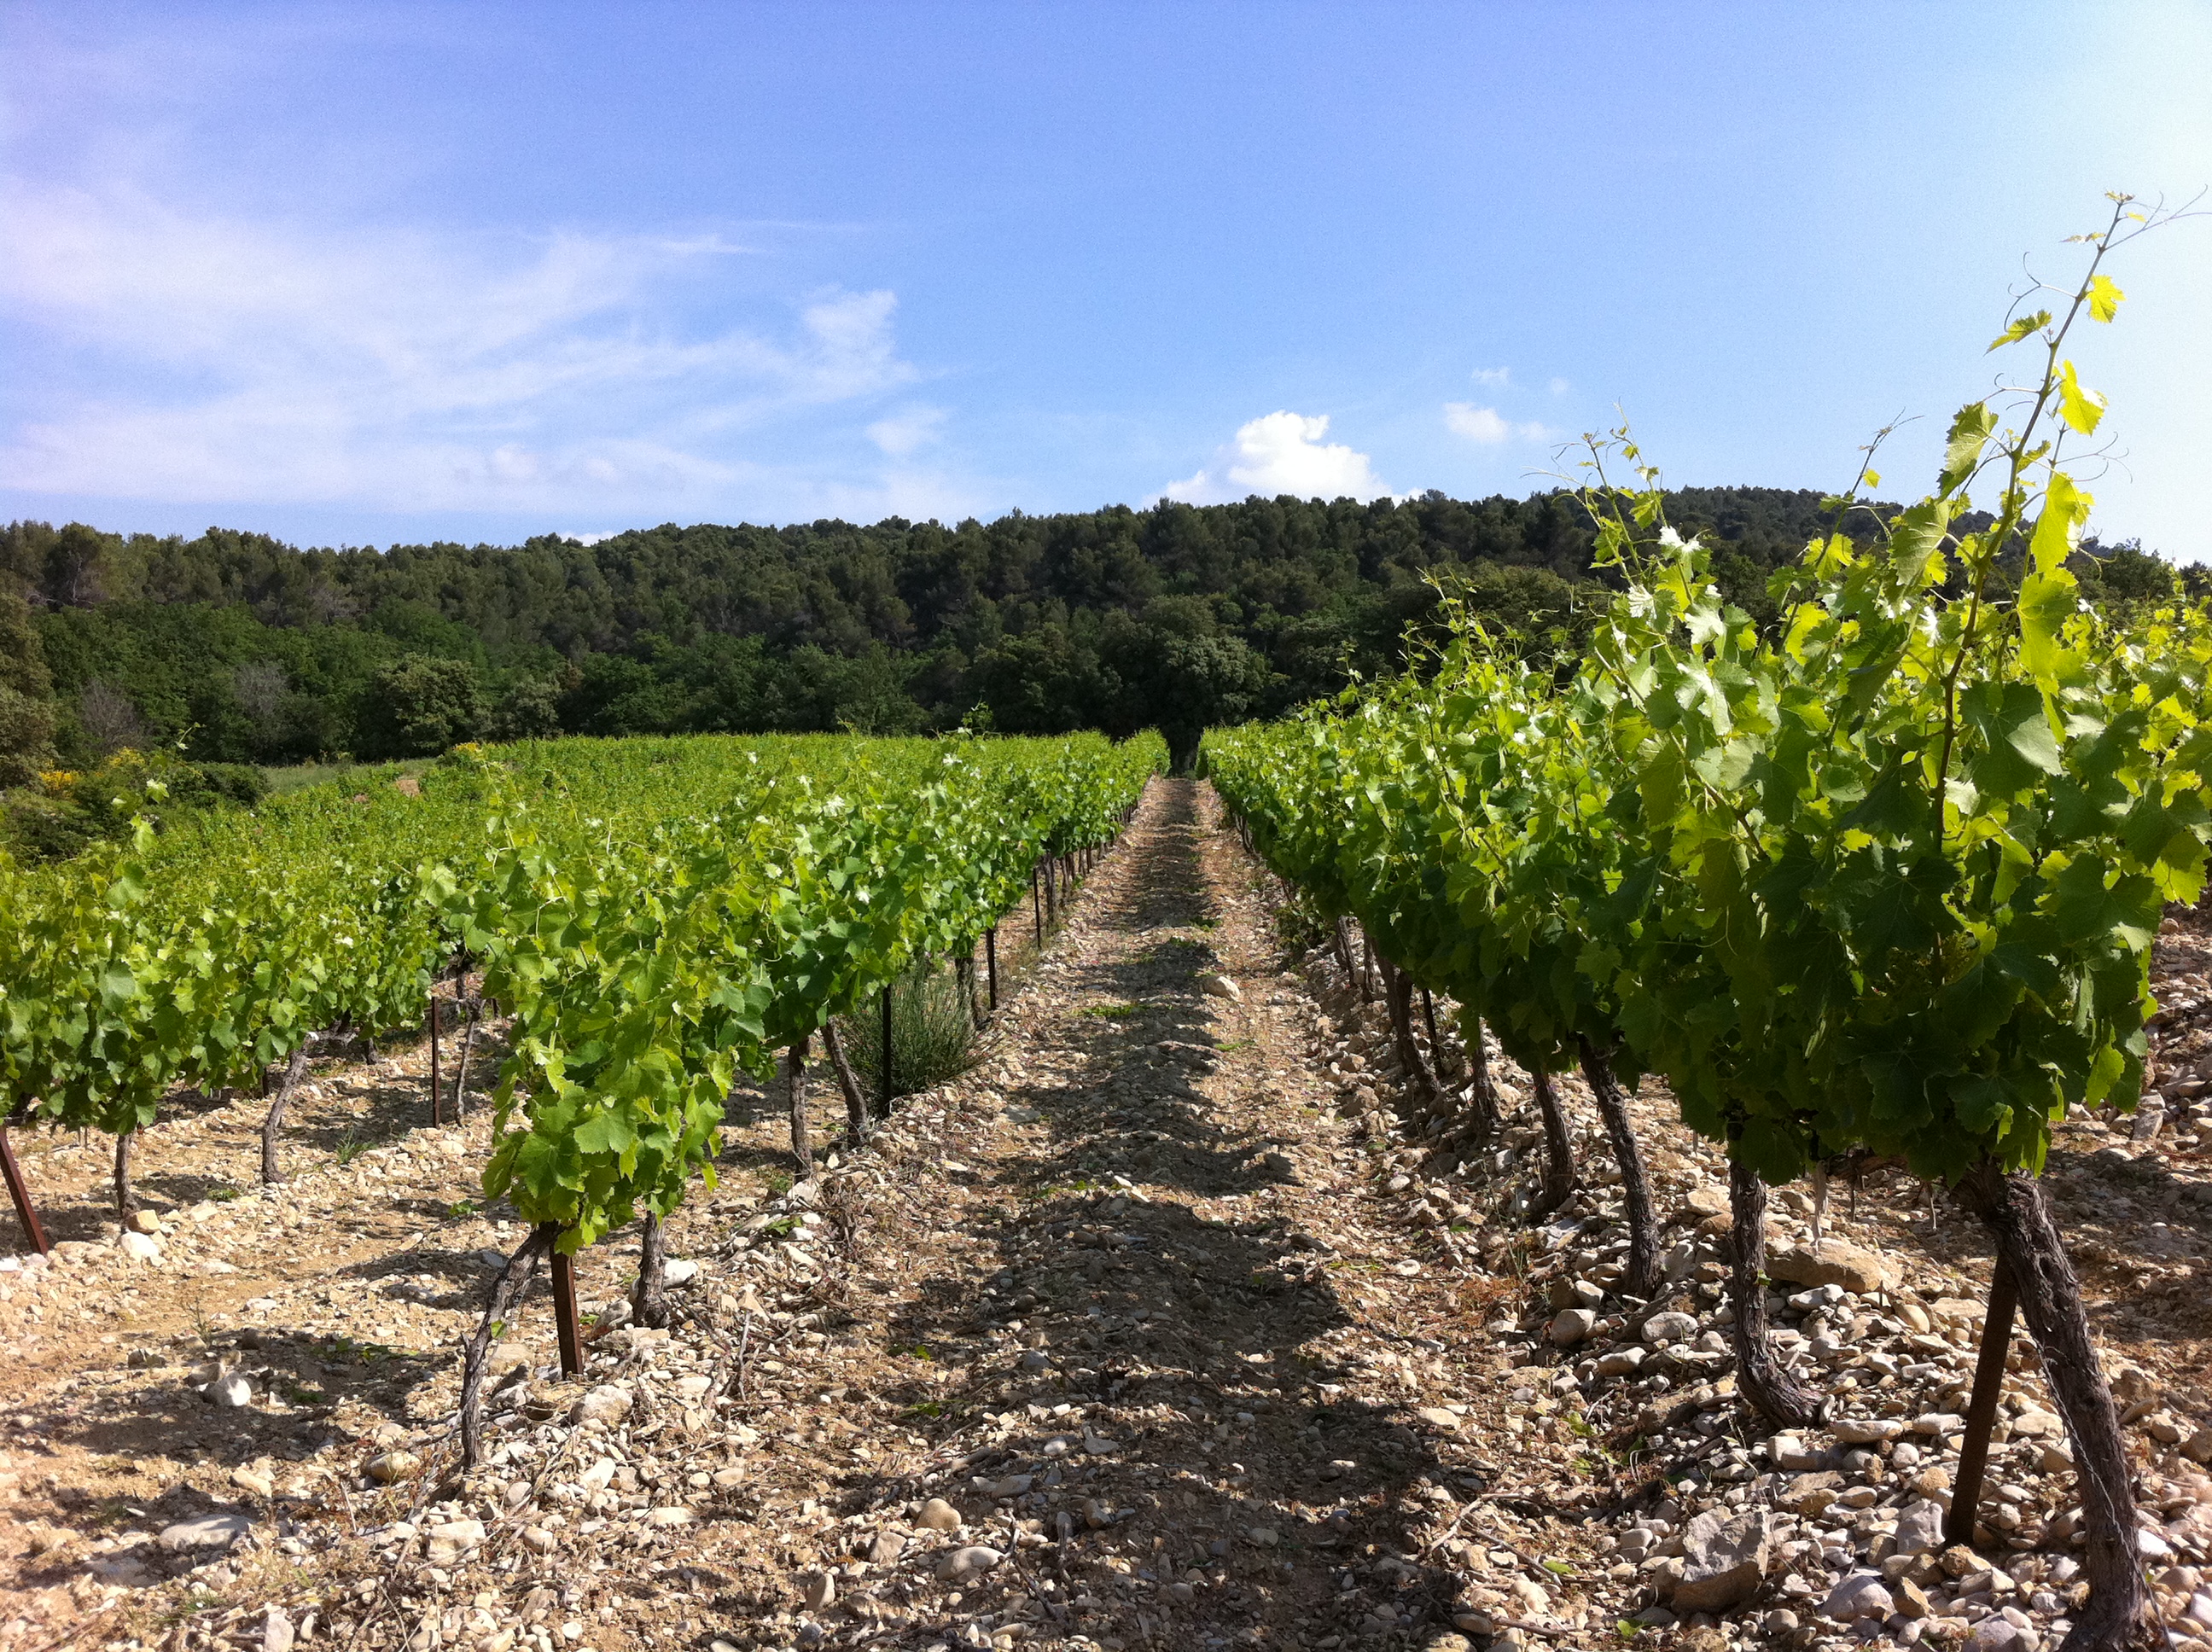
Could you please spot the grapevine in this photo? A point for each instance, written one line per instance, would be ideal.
(1884, 880)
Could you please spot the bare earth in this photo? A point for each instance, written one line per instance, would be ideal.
(1157, 1328)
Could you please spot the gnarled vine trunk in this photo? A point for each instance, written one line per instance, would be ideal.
(802, 1148)
(505, 1294)
(2012, 1207)
(294, 1070)
(1398, 998)
(963, 970)
(1759, 1377)
(1559, 1150)
(1439, 1054)
(650, 1302)
(1642, 1275)
(468, 1050)
(856, 1105)
(125, 1201)
(1482, 1127)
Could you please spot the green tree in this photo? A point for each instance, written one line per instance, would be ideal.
(420, 706)
(529, 710)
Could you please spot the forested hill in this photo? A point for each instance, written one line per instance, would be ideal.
(244, 649)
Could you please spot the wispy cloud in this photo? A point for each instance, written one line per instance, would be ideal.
(1496, 378)
(907, 430)
(1487, 427)
(1281, 453)
(236, 360)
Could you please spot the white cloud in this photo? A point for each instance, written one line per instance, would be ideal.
(1281, 453)
(1496, 377)
(1560, 386)
(1488, 426)
(909, 428)
(241, 360)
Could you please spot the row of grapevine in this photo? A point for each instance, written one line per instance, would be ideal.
(1883, 879)
(655, 917)
(643, 978)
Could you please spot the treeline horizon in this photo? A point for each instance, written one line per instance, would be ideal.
(232, 646)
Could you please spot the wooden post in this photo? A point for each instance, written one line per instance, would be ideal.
(564, 1315)
(991, 963)
(887, 1050)
(437, 1090)
(1982, 1410)
(20, 1192)
(1036, 905)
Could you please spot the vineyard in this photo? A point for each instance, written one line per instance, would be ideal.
(1694, 1141)
(651, 919)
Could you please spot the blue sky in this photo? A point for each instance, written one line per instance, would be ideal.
(363, 274)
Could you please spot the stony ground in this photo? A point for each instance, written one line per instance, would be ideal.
(1161, 1328)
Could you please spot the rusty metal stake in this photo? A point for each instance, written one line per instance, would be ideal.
(887, 1049)
(20, 1192)
(564, 1315)
(1982, 1410)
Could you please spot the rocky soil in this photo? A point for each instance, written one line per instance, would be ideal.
(1160, 1328)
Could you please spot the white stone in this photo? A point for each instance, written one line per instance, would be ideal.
(1791, 1453)
(451, 1539)
(605, 1403)
(1859, 1595)
(1865, 1431)
(388, 1468)
(1723, 1560)
(208, 1531)
(1663, 1328)
(968, 1562)
(1920, 1527)
(1572, 1324)
(231, 1392)
(938, 1515)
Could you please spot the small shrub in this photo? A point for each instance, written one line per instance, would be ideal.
(71, 809)
(932, 1035)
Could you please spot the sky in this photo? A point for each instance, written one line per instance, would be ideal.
(376, 274)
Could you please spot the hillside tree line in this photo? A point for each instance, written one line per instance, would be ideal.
(233, 648)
